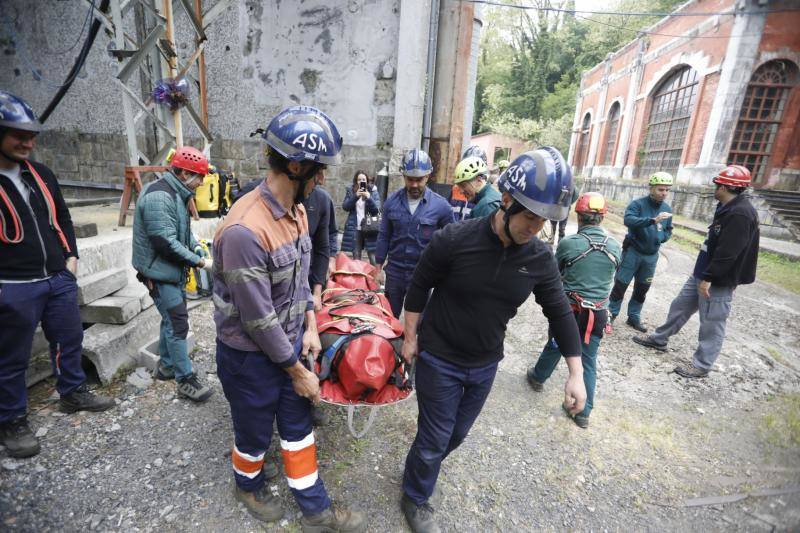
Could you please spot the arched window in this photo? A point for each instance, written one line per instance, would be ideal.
(611, 134)
(583, 143)
(761, 115)
(671, 110)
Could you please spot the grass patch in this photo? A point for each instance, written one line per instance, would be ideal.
(782, 424)
(779, 270)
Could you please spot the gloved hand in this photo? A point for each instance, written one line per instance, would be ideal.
(209, 263)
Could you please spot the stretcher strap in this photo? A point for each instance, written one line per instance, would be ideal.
(373, 411)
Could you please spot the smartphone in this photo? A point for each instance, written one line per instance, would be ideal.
(362, 186)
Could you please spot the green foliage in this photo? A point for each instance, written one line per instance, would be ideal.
(531, 63)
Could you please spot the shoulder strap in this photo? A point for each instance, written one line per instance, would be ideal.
(594, 246)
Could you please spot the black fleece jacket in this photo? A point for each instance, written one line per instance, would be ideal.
(478, 285)
(730, 253)
(40, 254)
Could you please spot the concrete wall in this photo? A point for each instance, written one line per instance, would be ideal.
(726, 55)
(260, 57)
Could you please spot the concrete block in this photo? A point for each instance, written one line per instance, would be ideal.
(136, 290)
(111, 310)
(103, 283)
(149, 353)
(114, 347)
(88, 229)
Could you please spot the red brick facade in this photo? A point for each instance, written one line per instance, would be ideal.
(685, 107)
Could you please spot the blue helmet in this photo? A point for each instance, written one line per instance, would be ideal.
(17, 114)
(416, 164)
(304, 133)
(541, 181)
(475, 151)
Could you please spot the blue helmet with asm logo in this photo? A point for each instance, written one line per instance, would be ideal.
(541, 182)
(17, 114)
(416, 164)
(304, 133)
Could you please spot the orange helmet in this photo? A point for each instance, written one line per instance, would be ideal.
(191, 159)
(733, 175)
(592, 203)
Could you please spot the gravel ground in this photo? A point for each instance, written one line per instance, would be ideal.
(156, 463)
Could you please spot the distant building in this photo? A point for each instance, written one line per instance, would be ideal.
(696, 93)
(498, 146)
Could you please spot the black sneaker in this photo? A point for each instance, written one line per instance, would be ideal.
(638, 326)
(419, 517)
(535, 385)
(163, 373)
(190, 387)
(691, 371)
(82, 400)
(334, 520)
(261, 503)
(580, 420)
(19, 440)
(649, 342)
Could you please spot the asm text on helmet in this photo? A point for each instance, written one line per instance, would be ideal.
(310, 141)
(516, 175)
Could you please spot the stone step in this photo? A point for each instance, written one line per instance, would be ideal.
(111, 310)
(111, 348)
(149, 353)
(85, 230)
(95, 286)
(134, 289)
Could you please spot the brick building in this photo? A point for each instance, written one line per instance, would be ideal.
(715, 83)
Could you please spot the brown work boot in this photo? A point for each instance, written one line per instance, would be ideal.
(691, 371)
(261, 503)
(334, 519)
(420, 518)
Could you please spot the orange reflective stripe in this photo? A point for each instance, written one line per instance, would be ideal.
(244, 465)
(300, 463)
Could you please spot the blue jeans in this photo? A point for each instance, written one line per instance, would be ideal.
(550, 357)
(395, 290)
(450, 398)
(259, 391)
(54, 303)
(638, 267)
(173, 349)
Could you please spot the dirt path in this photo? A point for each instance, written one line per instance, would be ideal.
(159, 464)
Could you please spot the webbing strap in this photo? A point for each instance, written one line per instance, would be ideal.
(594, 246)
(351, 409)
(51, 205)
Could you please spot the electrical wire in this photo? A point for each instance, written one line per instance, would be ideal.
(80, 35)
(645, 32)
(633, 13)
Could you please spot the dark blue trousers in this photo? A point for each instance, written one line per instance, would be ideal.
(259, 391)
(450, 398)
(395, 290)
(54, 303)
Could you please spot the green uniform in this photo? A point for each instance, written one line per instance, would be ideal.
(486, 202)
(592, 276)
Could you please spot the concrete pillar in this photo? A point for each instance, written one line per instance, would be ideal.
(599, 120)
(469, 108)
(735, 73)
(412, 53)
(628, 117)
(450, 87)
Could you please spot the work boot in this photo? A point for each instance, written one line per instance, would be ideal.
(19, 440)
(648, 341)
(535, 385)
(319, 417)
(334, 520)
(261, 503)
(163, 373)
(580, 420)
(419, 517)
(638, 326)
(82, 400)
(691, 371)
(190, 387)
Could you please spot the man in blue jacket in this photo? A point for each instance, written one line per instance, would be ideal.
(410, 216)
(38, 262)
(163, 250)
(649, 222)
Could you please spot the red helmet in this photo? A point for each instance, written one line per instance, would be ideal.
(191, 159)
(733, 175)
(592, 203)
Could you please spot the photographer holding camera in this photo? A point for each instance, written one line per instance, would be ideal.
(363, 204)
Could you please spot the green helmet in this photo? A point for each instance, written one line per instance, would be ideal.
(503, 164)
(470, 168)
(661, 178)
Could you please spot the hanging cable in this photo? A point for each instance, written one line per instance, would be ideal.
(80, 35)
